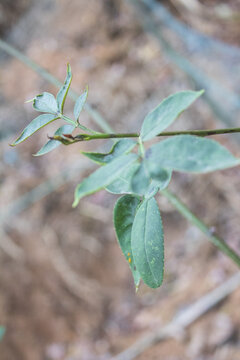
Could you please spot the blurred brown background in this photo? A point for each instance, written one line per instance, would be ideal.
(66, 292)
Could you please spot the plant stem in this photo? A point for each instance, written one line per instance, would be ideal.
(106, 127)
(215, 239)
(201, 133)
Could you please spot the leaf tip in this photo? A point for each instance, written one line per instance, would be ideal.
(29, 101)
(69, 70)
(200, 92)
(75, 203)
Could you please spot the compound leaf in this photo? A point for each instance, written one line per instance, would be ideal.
(36, 124)
(124, 213)
(147, 243)
(166, 113)
(120, 147)
(62, 94)
(45, 102)
(80, 103)
(53, 144)
(189, 153)
(102, 177)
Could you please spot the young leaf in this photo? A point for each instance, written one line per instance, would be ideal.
(45, 102)
(122, 185)
(120, 147)
(35, 125)
(61, 96)
(165, 113)
(80, 103)
(103, 176)
(53, 144)
(140, 180)
(189, 153)
(147, 243)
(2, 332)
(124, 213)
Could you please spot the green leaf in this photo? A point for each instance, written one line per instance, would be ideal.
(62, 94)
(124, 213)
(161, 177)
(120, 147)
(165, 113)
(140, 180)
(80, 103)
(102, 177)
(45, 102)
(2, 332)
(35, 125)
(147, 243)
(189, 153)
(122, 185)
(53, 144)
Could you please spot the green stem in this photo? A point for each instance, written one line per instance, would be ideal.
(201, 133)
(215, 239)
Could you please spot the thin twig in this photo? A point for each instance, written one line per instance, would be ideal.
(181, 321)
(69, 139)
(177, 203)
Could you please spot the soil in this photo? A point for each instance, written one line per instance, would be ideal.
(66, 291)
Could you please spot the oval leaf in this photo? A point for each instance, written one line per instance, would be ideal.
(61, 96)
(166, 113)
(103, 176)
(140, 180)
(119, 148)
(45, 102)
(53, 144)
(189, 153)
(122, 185)
(124, 213)
(147, 243)
(80, 103)
(35, 125)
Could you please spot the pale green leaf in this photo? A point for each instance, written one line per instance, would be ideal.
(119, 148)
(124, 213)
(36, 124)
(166, 113)
(80, 103)
(102, 177)
(45, 102)
(189, 153)
(147, 243)
(122, 185)
(140, 180)
(62, 94)
(53, 144)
